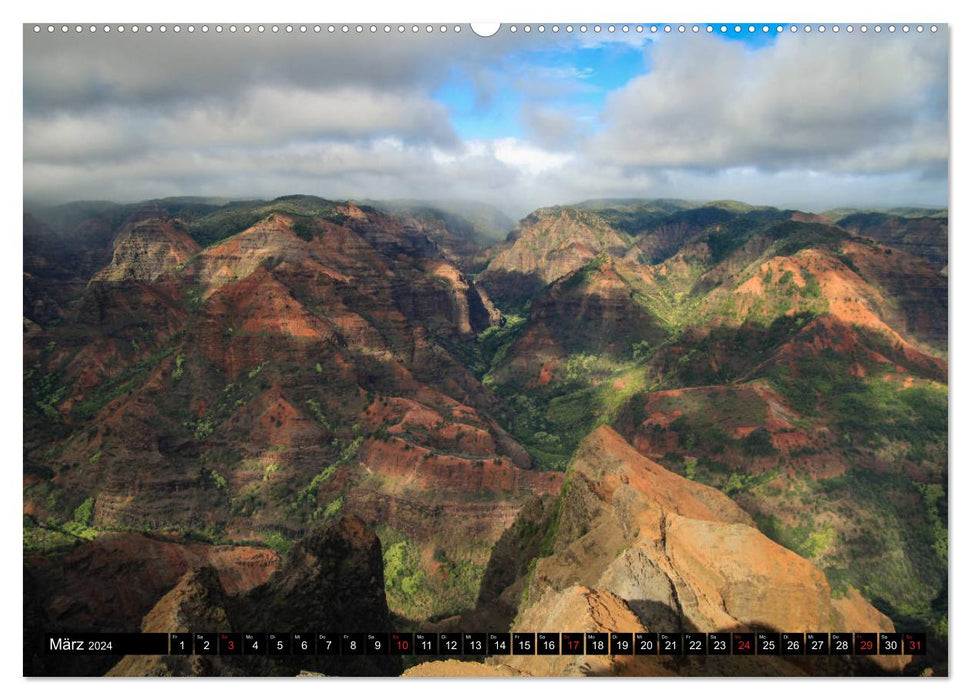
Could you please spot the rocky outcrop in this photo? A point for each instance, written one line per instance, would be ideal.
(112, 583)
(145, 250)
(196, 603)
(547, 245)
(332, 580)
(581, 609)
(681, 553)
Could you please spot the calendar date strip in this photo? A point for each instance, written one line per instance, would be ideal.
(479, 644)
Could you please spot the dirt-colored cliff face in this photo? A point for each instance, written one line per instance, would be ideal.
(581, 609)
(679, 554)
(547, 245)
(146, 250)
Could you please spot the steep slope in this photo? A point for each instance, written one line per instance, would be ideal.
(462, 230)
(147, 249)
(598, 309)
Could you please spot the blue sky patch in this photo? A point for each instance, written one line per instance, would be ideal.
(488, 104)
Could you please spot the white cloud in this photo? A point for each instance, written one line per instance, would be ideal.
(849, 103)
(527, 158)
(263, 115)
(810, 121)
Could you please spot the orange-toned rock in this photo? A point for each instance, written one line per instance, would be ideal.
(453, 668)
(581, 609)
(679, 554)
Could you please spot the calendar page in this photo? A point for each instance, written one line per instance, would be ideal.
(485, 350)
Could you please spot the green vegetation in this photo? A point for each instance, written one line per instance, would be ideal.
(318, 413)
(402, 573)
(45, 539)
(758, 443)
(308, 496)
(807, 539)
(330, 510)
(424, 582)
(48, 395)
(896, 553)
(124, 383)
(869, 412)
(551, 421)
(277, 541)
(935, 504)
(691, 467)
(84, 513)
(255, 372)
(304, 228)
(178, 370)
(55, 535)
(490, 347)
(271, 469)
(739, 483)
(238, 216)
(217, 479)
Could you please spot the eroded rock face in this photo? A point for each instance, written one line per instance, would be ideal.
(581, 609)
(547, 245)
(145, 250)
(197, 602)
(681, 555)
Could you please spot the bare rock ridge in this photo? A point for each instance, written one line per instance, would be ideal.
(196, 603)
(666, 552)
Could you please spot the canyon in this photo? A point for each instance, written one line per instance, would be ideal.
(654, 415)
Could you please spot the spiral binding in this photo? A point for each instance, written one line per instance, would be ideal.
(378, 29)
